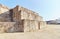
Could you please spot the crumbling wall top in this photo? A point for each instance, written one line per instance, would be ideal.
(27, 10)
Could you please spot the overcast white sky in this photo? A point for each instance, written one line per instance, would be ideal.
(48, 9)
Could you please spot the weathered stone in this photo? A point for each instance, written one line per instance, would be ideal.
(19, 19)
(3, 9)
(4, 26)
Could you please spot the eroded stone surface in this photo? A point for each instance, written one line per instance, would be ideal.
(25, 20)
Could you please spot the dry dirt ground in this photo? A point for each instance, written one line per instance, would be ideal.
(50, 32)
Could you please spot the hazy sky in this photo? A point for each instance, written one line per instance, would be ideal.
(48, 9)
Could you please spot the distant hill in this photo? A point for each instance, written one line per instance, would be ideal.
(56, 21)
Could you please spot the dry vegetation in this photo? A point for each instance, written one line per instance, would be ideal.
(50, 32)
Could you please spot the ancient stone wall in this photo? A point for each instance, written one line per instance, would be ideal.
(19, 19)
(11, 27)
(30, 25)
(19, 27)
(4, 14)
(7, 26)
(32, 21)
(27, 14)
(16, 14)
(5, 17)
(42, 24)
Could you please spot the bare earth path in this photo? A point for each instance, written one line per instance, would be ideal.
(50, 32)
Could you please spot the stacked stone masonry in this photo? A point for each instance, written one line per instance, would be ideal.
(19, 19)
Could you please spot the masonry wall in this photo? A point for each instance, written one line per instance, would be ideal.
(7, 26)
(11, 27)
(30, 15)
(31, 19)
(4, 14)
(19, 26)
(16, 14)
(43, 24)
(23, 13)
(19, 19)
(30, 25)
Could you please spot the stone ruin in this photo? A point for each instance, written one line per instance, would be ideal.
(19, 19)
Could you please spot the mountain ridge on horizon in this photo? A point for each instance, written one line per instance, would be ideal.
(56, 21)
